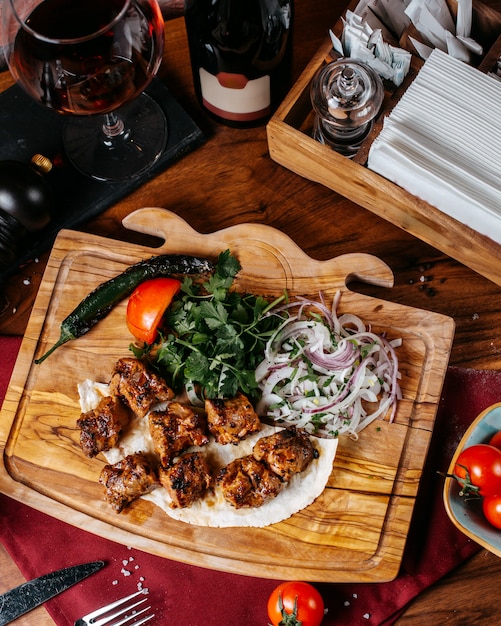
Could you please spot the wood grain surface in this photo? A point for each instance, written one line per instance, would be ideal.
(355, 531)
(230, 180)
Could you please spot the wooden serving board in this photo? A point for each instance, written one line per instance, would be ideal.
(355, 531)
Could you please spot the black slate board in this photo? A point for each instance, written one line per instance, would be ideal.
(27, 128)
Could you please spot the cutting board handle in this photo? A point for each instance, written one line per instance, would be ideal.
(269, 252)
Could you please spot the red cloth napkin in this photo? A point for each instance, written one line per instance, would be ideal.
(192, 596)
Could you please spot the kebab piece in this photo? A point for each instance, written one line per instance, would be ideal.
(126, 480)
(254, 479)
(100, 428)
(138, 386)
(246, 482)
(231, 420)
(187, 480)
(176, 429)
(286, 452)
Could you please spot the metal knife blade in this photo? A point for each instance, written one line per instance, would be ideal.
(27, 596)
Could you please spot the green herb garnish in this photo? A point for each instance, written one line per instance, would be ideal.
(216, 336)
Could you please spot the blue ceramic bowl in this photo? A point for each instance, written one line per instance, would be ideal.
(467, 515)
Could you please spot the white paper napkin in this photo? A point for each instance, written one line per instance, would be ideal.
(442, 143)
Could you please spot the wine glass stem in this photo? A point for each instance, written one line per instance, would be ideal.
(113, 125)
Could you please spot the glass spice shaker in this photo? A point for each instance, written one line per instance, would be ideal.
(346, 96)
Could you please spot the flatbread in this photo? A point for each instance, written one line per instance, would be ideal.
(213, 510)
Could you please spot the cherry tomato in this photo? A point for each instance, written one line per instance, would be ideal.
(293, 603)
(491, 506)
(147, 305)
(495, 440)
(478, 470)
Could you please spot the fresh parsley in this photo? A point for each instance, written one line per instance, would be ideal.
(215, 336)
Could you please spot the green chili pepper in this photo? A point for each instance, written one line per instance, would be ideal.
(101, 300)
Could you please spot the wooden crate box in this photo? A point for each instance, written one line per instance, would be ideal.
(290, 144)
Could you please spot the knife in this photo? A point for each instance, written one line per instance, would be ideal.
(27, 596)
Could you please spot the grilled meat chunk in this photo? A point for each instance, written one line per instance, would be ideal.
(126, 480)
(101, 427)
(231, 420)
(138, 386)
(187, 480)
(176, 429)
(286, 452)
(246, 482)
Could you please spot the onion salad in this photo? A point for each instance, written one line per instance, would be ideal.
(327, 374)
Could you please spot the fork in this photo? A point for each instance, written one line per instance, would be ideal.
(123, 607)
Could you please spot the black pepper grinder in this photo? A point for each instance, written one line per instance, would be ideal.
(26, 204)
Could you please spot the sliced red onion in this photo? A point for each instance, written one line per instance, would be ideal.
(328, 374)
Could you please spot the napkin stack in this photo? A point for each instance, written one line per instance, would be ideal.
(442, 143)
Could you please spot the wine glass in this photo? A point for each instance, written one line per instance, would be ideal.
(91, 60)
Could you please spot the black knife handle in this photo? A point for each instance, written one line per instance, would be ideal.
(31, 594)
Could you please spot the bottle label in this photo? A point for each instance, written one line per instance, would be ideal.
(234, 97)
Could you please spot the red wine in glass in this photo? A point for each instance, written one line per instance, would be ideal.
(85, 59)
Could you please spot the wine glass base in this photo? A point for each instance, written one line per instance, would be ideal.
(128, 154)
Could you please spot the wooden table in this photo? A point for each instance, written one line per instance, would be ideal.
(231, 179)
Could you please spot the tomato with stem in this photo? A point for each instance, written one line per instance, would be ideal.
(478, 470)
(294, 604)
(147, 305)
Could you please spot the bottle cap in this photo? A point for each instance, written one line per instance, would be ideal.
(41, 163)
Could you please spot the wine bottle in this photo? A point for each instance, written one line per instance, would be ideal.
(241, 56)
